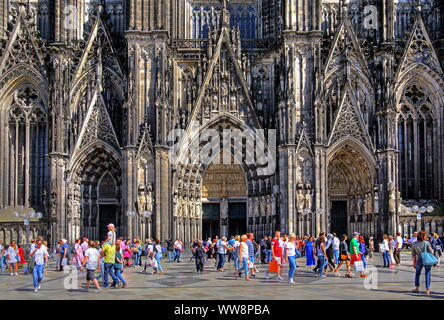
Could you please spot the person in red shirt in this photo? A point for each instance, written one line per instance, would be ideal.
(277, 253)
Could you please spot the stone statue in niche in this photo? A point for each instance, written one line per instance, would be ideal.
(224, 208)
(198, 209)
(392, 199)
(359, 204)
(376, 202)
(141, 199)
(308, 196)
(300, 200)
(149, 199)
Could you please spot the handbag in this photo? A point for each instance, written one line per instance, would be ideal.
(64, 262)
(273, 266)
(343, 257)
(427, 258)
(250, 264)
(359, 266)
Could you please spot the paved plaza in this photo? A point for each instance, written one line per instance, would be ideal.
(180, 282)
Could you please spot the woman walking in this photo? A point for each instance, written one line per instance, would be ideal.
(419, 247)
(344, 257)
(158, 255)
(371, 247)
(13, 258)
(309, 252)
(290, 256)
(118, 266)
(243, 258)
(78, 255)
(437, 248)
(321, 254)
(384, 248)
(391, 246)
(127, 253)
(330, 253)
(363, 250)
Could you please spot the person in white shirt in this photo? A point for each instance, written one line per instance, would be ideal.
(91, 262)
(290, 256)
(111, 235)
(221, 253)
(384, 248)
(398, 247)
(40, 254)
(336, 243)
(178, 245)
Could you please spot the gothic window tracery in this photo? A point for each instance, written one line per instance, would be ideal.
(28, 147)
(207, 17)
(416, 143)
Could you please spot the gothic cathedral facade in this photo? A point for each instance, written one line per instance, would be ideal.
(347, 94)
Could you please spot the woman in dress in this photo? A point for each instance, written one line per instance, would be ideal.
(78, 255)
(13, 258)
(127, 253)
(309, 254)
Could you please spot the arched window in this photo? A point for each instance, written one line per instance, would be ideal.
(28, 145)
(108, 189)
(416, 144)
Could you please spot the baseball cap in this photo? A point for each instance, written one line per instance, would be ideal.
(110, 225)
(356, 234)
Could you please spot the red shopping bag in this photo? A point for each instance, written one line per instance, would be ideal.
(273, 266)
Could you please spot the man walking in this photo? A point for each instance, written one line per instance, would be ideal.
(178, 245)
(222, 249)
(398, 247)
(336, 244)
(277, 253)
(109, 255)
(91, 262)
(40, 254)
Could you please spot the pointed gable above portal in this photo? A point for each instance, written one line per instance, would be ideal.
(304, 144)
(224, 90)
(346, 46)
(97, 125)
(22, 47)
(419, 50)
(99, 43)
(349, 121)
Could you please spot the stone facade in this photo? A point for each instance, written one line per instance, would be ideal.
(91, 92)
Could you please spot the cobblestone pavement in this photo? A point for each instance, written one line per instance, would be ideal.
(180, 282)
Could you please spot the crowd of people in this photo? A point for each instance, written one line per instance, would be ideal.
(326, 253)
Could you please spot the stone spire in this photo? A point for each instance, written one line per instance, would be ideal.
(225, 14)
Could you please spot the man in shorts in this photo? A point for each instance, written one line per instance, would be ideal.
(91, 262)
(277, 253)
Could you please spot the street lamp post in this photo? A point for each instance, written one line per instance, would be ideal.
(419, 211)
(26, 217)
(318, 212)
(130, 214)
(147, 215)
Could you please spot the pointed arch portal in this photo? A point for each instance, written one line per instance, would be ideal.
(224, 196)
(351, 190)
